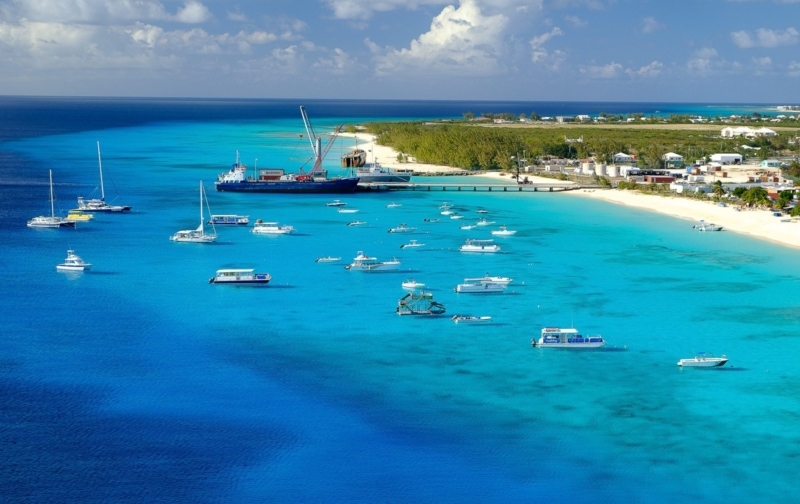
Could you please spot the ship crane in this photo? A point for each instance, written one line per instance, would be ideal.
(316, 142)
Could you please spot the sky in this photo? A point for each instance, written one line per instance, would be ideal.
(732, 51)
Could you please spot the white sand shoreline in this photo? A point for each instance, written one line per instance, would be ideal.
(759, 224)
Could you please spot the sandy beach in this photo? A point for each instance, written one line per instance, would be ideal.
(756, 223)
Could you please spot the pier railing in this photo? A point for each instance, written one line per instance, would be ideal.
(470, 186)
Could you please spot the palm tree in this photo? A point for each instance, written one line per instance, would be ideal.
(757, 196)
(718, 189)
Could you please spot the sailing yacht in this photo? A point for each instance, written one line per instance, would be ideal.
(50, 221)
(99, 204)
(197, 235)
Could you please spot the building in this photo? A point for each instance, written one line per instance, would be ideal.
(770, 163)
(726, 158)
(747, 132)
(621, 157)
(672, 159)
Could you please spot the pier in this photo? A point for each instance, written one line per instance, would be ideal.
(470, 186)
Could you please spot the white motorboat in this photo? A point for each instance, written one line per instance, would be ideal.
(73, 262)
(240, 276)
(51, 221)
(490, 279)
(480, 287)
(556, 337)
(447, 211)
(479, 246)
(336, 203)
(707, 226)
(470, 319)
(703, 359)
(402, 228)
(347, 210)
(412, 284)
(327, 259)
(412, 244)
(99, 204)
(357, 223)
(482, 211)
(363, 262)
(456, 216)
(229, 220)
(468, 227)
(271, 228)
(197, 235)
(484, 222)
(503, 231)
(394, 205)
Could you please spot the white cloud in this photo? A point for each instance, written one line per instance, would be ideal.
(650, 25)
(461, 41)
(363, 9)
(763, 62)
(794, 69)
(540, 55)
(575, 21)
(102, 11)
(765, 38)
(703, 60)
(608, 71)
(192, 13)
(647, 71)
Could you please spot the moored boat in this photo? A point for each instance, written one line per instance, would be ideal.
(347, 210)
(240, 276)
(229, 220)
(484, 222)
(503, 231)
(480, 246)
(556, 337)
(490, 279)
(196, 235)
(470, 319)
(270, 228)
(402, 228)
(327, 259)
(703, 359)
(336, 203)
(374, 173)
(412, 244)
(51, 221)
(99, 204)
(356, 223)
(73, 262)
(419, 303)
(707, 226)
(78, 216)
(412, 284)
(394, 205)
(363, 262)
(480, 287)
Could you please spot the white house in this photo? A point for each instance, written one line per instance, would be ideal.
(727, 158)
(747, 132)
(672, 158)
(621, 157)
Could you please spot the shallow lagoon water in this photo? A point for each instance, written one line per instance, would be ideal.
(140, 381)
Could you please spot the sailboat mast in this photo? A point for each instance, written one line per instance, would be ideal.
(100, 164)
(52, 206)
(201, 203)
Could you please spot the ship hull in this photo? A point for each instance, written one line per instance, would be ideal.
(334, 186)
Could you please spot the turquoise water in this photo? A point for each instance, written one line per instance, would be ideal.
(140, 381)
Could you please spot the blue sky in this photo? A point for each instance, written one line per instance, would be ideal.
(740, 51)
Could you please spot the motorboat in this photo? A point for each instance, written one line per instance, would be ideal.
(412, 284)
(456, 216)
(480, 287)
(470, 319)
(363, 262)
(480, 246)
(490, 279)
(556, 337)
(229, 220)
(707, 226)
(394, 205)
(703, 359)
(347, 210)
(503, 231)
(196, 235)
(430, 220)
(402, 228)
(484, 222)
(51, 221)
(239, 276)
(271, 228)
(419, 303)
(99, 204)
(336, 203)
(482, 211)
(412, 244)
(73, 262)
(468, 227)
(357, 223)
(327, 259)
(78, 216)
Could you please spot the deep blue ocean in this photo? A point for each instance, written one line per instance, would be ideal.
(138, 381)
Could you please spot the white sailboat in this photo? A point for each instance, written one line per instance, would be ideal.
(50, 221)
(197, 235)
(99, 204)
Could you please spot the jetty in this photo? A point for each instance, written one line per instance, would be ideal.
(471, 186)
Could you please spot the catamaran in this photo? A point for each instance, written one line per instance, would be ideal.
(197, 235)
(50, 221)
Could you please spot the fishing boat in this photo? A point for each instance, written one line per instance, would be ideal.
(240, 276)
(270, 228)
(363, 262)
(402, 228)
(327, 259)
(703, 359)
(51, 221)
(412, 244)
(357, 223)
(479, 246)
(470, 319)
(419, 303)
(556, 337)
(197, 235)
(335, 203)
(275, 180)
(73, 262)
(480, 287)
(229, 220)
(99, 204)
(503, 231)
(412, 284)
